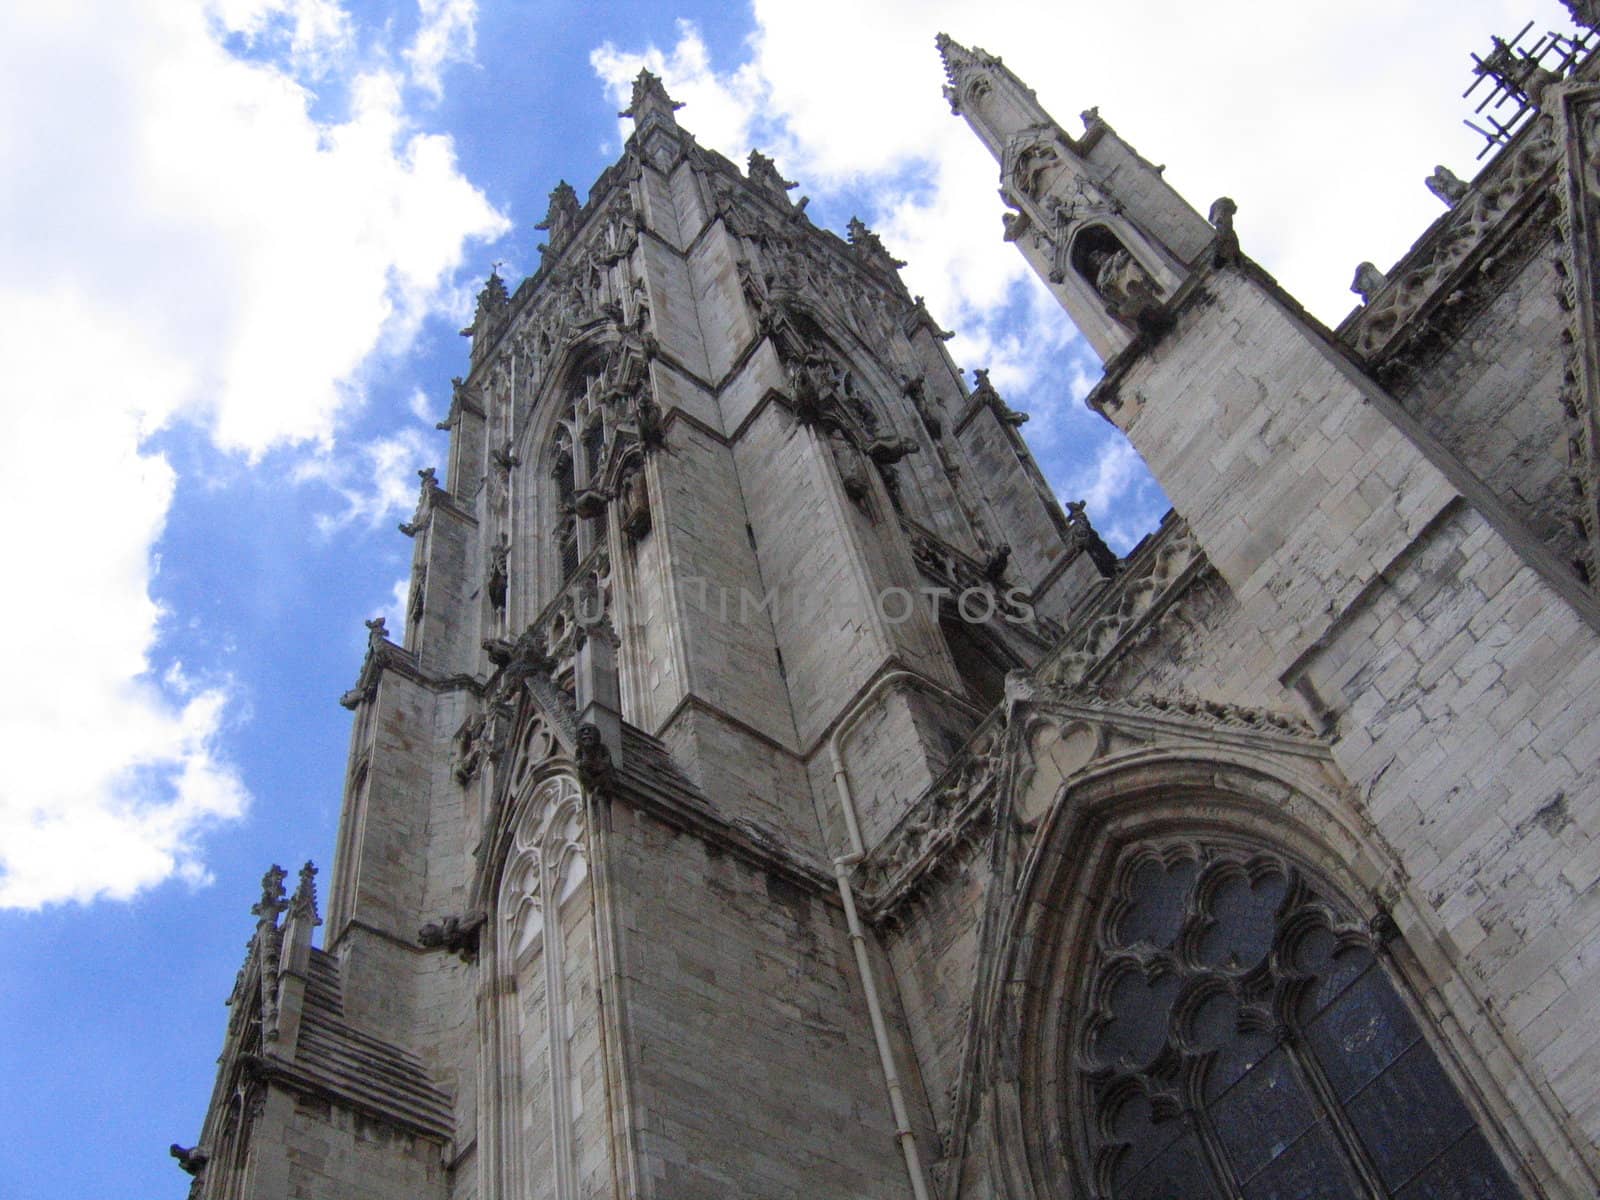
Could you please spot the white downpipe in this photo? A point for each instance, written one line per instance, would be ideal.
(858, 939)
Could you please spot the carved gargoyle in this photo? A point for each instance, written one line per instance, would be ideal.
(1369, 281)
(1445, 184)
(191, 1158)
(454, 935)
(647, 417)
(1225, 250)
(888, 451)
(595, 770)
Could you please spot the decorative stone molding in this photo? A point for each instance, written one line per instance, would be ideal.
(1576, 111)
(1434, 270)
(1128, 608)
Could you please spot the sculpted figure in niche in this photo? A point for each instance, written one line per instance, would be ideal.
(1127, 290)
(1123, 284)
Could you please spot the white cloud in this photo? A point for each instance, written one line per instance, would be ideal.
(393, 610)
(173, 219)
(447, 35)
(375, 481)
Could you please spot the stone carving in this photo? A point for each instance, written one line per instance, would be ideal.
(869, 248)
(561, 219)
(1430, 269)
(957, 806)
(1585, 13)
(428, 494)
(595, 771)
(191, 1159)
(456, 935)
(1579, 294)
(1083, 534)
(468, 749)
(984, 392)
(490, 315)
(965, 69)
(1369, 281)
(1128, 291)
(1444, 184)
(303, 904)
(1138, 595)
(1226, 248)
(1034, 160)
(499, 573)
(650, 102)
(763, 173)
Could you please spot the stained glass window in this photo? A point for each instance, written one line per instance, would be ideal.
(1243, 1039)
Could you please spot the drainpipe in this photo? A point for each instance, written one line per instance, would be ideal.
(858, 939)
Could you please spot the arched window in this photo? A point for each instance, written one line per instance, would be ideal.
(566, 518)
(1242, 1038)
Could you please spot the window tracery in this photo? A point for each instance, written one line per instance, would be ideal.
(1242, 1038)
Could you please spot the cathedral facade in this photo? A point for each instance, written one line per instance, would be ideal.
(775, 793)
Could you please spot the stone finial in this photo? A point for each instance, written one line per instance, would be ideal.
(960, 64)
(869, 246)
(763, 171)
(303, 904)
(1585, 13)
(492, 302)
(561, 219)
(272, 902)
(1369, 281)
(1444, 184)
(650, 101)
(377, 637)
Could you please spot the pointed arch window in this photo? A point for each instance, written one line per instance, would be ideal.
(1242, 1038)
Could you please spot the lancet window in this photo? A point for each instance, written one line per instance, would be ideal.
(1243, 1038)
(595, 452)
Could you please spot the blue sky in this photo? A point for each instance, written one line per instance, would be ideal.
(237, 240)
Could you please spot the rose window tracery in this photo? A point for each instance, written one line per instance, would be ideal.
(1243, 1039)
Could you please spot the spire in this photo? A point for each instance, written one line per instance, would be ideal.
(650, 102)
(960, 65)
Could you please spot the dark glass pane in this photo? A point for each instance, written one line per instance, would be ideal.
(1138, 1027)
(1160, 898)
(1262, 1115)
(1134, 1123)
(1364, 1030)
(1469, 1171)
(1408, 1115)
(1244, 920)
(1311, 1169)
(1178, 1173)
(1319, 954)
(1216, 1028)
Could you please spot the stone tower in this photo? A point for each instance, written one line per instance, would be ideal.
(727, 563)
(773, 793)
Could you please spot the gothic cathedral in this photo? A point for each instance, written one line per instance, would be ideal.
(775, 793)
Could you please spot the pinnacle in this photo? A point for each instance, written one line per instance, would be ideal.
(650, 99)
(956, 56)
